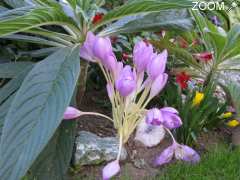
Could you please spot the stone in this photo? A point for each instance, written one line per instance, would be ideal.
(92, 149)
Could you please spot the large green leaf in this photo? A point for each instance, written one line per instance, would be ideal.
(54, 161)
(37, 17)
(10, 70)
(18, 3)
(13, 85)
(143, 6)
(37, 111)
(169, 20)
(32, 39)
(4, 110)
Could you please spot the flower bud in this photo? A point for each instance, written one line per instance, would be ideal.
(102, 47)
(110, 170)
(110, 62)
(71, 113)
(158, 84)
(86, 51)
(126, 81)
(157, 65)
(142, 55)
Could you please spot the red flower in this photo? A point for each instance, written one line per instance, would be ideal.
(182, 79)
(205, 56)
(97, 18)
(125, 56)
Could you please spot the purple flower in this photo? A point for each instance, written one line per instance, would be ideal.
(158, 84)
(71, 113)
(157, 65)
(110, 90)
(154, 117)
(126, 81)
(142, 55)
(171, 119)
(86, 51)
(187, 154)
(181, 152)
(168, 117)
(99, 48)
(102, 47)
(166, 156)
(110, 170)
(110, 62)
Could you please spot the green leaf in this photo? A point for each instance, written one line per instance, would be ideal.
(18, 3)
(169, 20)
(4, 110)
(12, 69)
(32, 39)
(37, 17)
(54, 161)
(43, 52)
(14, 84)
(234, 90)
(142, 6)
(37, 110)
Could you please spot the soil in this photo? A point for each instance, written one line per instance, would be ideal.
(138, 166)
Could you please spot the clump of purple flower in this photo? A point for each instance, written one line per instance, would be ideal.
(130, 89)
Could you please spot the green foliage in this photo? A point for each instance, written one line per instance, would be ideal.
(220, 163)
(234, 91)
(178, 20)
(37, 110)
(54, 161)
(195, 119)
(33, 101)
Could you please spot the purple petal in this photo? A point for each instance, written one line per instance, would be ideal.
(171, 120)
(170, 109)
(86, 51)
(158, 84)
(142, 54)
(110, 62)
(71, 113)
(110, 170)
(126, 82)
(154, 117)
(165, 157)
(157, 65)
(187, 154)
(110, 90)
(102, 47)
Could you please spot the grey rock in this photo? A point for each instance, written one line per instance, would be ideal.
(92, 149)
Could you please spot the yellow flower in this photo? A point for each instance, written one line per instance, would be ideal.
(226, 115)
(198, 98)
(233, 123)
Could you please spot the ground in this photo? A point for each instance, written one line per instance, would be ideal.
(138, 166)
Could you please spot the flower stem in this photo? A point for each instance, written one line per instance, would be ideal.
(169, 132)
(120, 146)
(97, 114)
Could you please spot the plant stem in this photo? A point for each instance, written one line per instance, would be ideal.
(120, 146)
(169, 132)
(97, 114)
